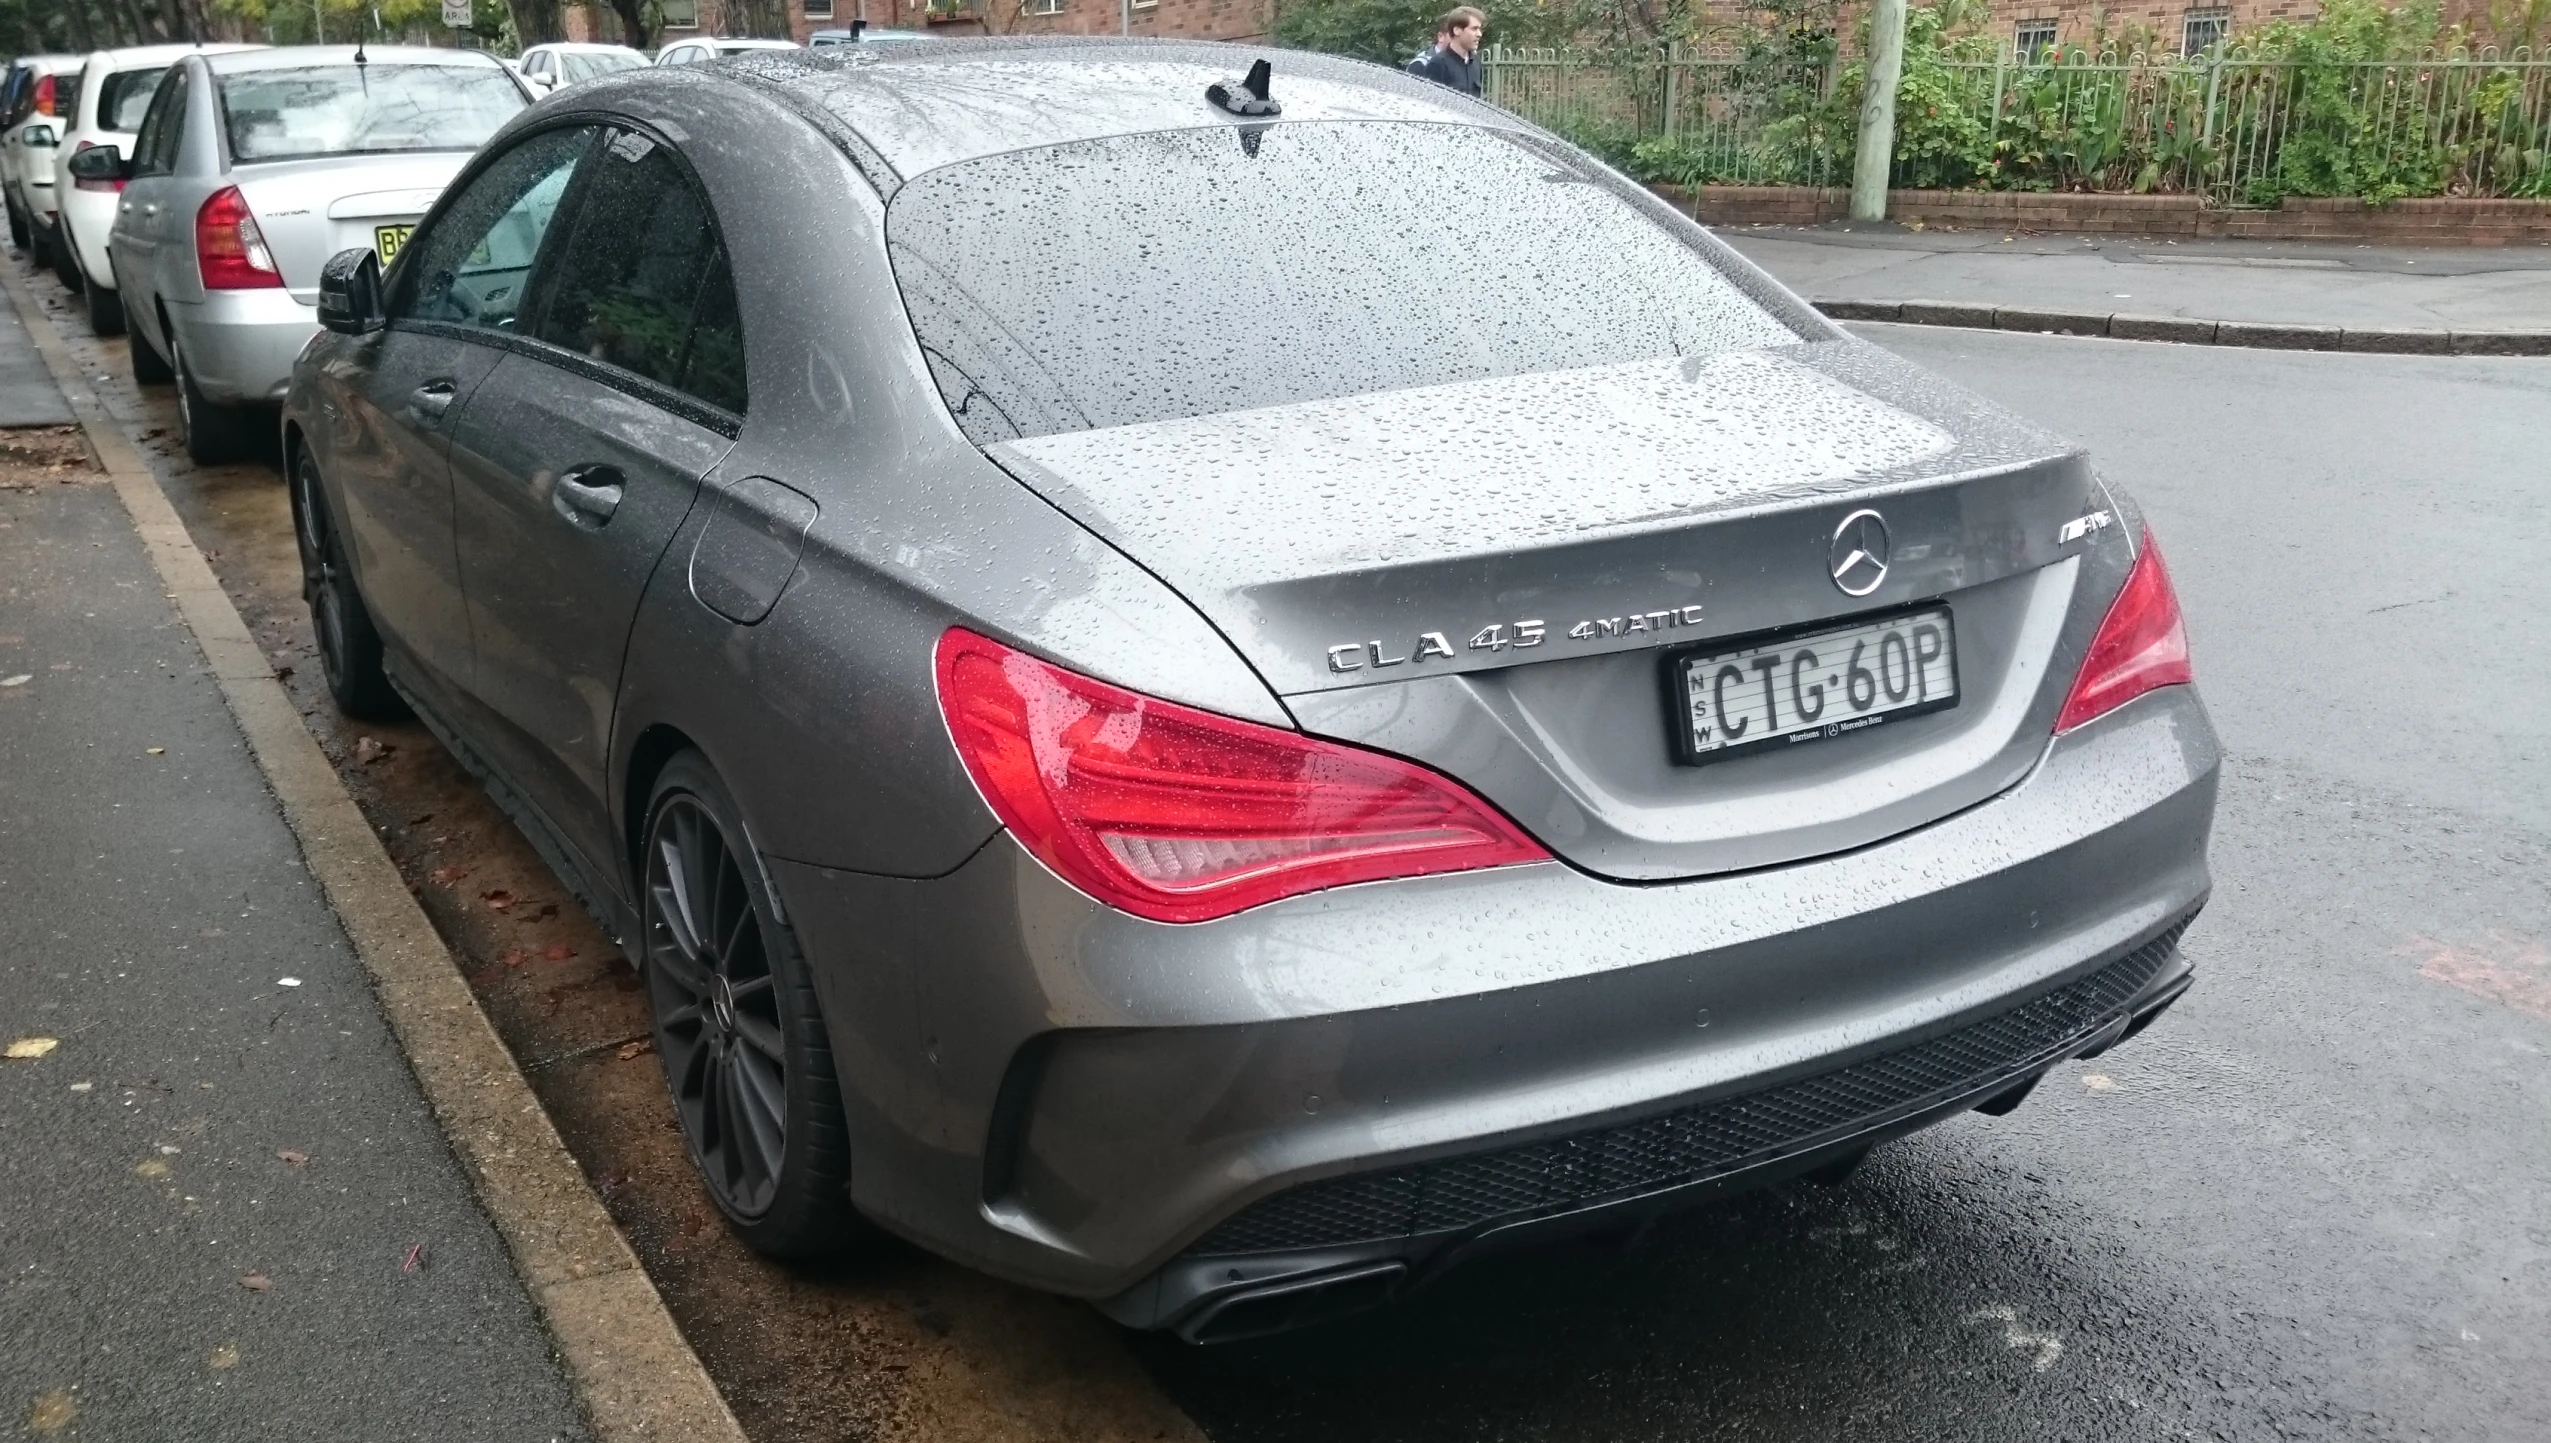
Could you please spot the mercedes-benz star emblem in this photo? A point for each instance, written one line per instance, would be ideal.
(1857, 559)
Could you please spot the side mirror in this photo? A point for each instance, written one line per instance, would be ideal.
(101, 162)
(39, 137)
(350, 292)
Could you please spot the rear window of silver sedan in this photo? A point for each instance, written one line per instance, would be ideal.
(1149, 277)
(364, 109)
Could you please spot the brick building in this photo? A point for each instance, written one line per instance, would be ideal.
(1183, 19)
(2175, 27)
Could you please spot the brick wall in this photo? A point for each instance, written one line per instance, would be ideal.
(1165, 19)
(2407, 222)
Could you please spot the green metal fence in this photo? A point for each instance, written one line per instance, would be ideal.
(2243, 129)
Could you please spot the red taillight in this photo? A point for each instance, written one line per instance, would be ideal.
(229, 249)
(44, 96)
(2141, 646)
(1180, 815)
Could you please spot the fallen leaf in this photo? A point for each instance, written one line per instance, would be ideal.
(287, 982)
(415, 1259)
(514, 957)
(499, 900)
(547, 909)
(27, 1049)
(420, 819)
(52, 1412)
(294, 1156)
(446, 876)
(367, 750)
(153, 1168)
(558, 952)
(223, 1358)
(255, 1282)
(82, 1086)
(639, 1048)
(283, 673)
(21, 679)
(155, 751)
(2099, 1082)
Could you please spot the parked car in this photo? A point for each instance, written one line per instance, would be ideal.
(704, 50)
(33, 101)
(862, 33)
(251, 169)
(1225, 776)
(549, 67)
(115, 88)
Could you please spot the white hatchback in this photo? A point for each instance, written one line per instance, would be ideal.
(558, 65)
(115, 88)
(703, 50)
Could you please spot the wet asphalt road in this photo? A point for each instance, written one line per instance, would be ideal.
(2315, 1200)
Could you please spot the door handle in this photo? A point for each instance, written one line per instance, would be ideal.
(428, 402)
(586, 496)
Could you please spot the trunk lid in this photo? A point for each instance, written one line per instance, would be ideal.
(1487, 577)
(311, 209)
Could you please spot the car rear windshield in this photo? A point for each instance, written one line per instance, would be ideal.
(1153, 277)
(582, 65)
(364, 109)
(125, 95)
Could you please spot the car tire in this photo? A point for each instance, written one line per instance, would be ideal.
(213, 433)
(738, 1027)
(150, 368)
(17, 227)
(39, 248)
(66, 257)
(349, 645)
(106, 311)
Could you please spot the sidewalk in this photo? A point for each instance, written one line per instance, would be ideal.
(230, 1214)
(2263, 282)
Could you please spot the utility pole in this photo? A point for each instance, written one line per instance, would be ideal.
(1877, 148)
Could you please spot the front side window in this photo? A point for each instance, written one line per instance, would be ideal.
(125, 97)
(1230, 268)
(471, 266)
(641, 265)
(364, 109)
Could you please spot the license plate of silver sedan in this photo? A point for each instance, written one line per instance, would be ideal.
(1146, 775)
(1815, 687)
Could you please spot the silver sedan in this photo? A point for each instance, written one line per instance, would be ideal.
(1216, 709)
(250, 170)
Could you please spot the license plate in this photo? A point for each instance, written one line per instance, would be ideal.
(386, 239)
(1813, 687)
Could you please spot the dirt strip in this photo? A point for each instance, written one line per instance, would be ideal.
(891, 1344)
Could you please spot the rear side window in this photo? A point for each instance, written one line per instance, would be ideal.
(364, 109)
(642, 272)
(125, 97)
(163, 126)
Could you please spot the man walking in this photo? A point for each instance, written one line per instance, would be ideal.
(1454, 59)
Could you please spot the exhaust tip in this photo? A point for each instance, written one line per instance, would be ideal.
(1293, 1303)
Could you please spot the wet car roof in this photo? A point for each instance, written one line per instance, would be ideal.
(924, 106)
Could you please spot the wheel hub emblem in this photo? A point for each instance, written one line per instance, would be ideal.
(1857, 559)
(722, 1004)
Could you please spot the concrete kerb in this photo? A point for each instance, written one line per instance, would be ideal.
(2191, 331)
(634, 1375)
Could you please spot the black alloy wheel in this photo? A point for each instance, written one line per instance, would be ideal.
(349, 646)
(737, 1027)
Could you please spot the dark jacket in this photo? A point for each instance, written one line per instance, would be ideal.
(1442, 66)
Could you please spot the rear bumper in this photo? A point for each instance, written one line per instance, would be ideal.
(1129, 1112)
(241, 344)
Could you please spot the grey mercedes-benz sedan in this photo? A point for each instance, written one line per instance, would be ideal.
(1214, 711)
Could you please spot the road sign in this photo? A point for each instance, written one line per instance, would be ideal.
(456, 13)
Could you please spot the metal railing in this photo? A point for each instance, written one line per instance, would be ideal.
(2238, 127)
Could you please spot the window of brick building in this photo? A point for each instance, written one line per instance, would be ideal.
(2033, 39)
(2200, 29)
(819, 9)
(681, 14)
(1145, 4)
(1045, 7)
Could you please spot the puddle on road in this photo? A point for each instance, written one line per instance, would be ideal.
(892, 1345)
